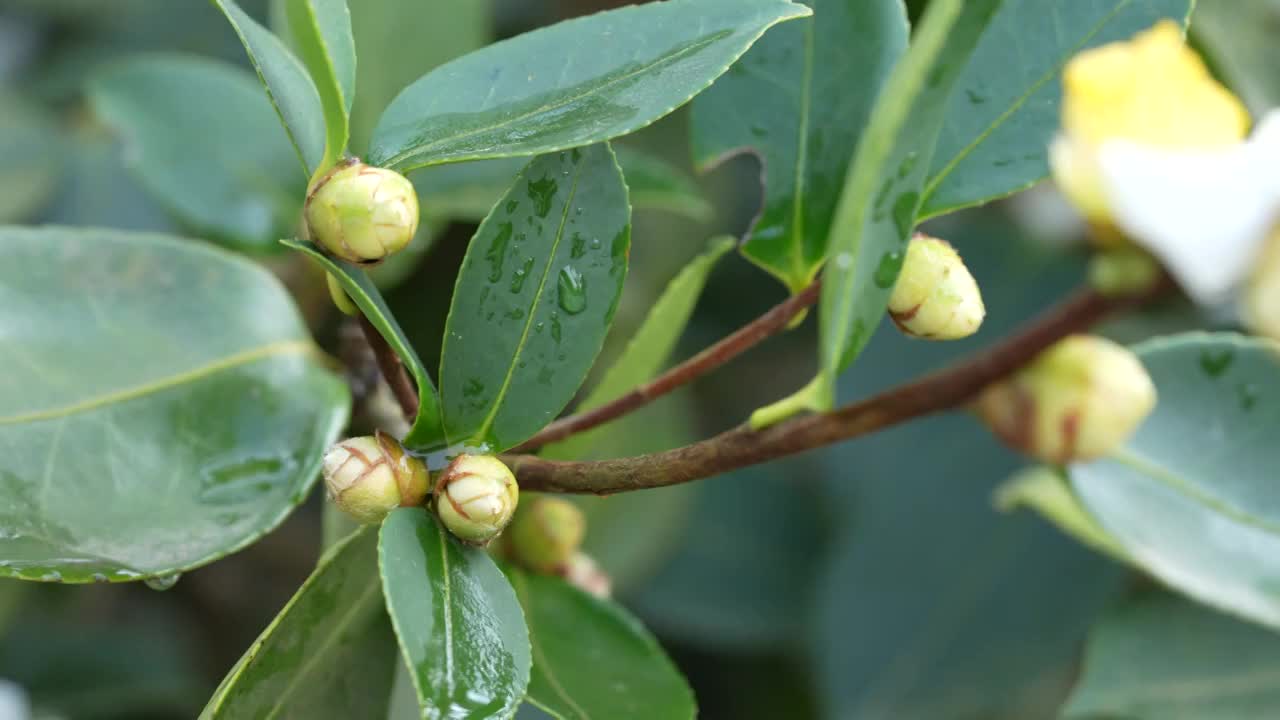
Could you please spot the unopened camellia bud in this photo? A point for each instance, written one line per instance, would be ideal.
(368, 477)
(475, 497)
(362, 213)
(1079, 400)
(935, 298)
(545, 533)
(584, 573)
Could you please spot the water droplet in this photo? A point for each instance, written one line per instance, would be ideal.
(555, 328)
(887, 271)
(538, 328)
(577, 155)
(1002, 162)
(512, 205)
(520, 275)
(98, 577)
(595, 243)
(1215, 362)
(472, 387)
(163, 582)
(497, 251)
(53, 576)
(579, 246)
(904, 213)
(572, 290)
(514, 313)
(908, 164)
(1248, 393)
(974, 98)
(759, 131)
(844, 261)
(542, 192)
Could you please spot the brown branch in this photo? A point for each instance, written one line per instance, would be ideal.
(742, 339)
(947, 389)
(392, 369)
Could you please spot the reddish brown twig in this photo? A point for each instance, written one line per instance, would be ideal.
(392, 369)
(947, 389)
(742, 339)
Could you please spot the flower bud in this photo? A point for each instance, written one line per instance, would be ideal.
(361, 213)
(935, 298)
(1123, 271)
(1078, 400)
(545, 533)
(475, 497)
(583, 573)
(368, 477)
(340, 297)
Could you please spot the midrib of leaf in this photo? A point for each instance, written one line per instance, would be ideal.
(802, 159)
(395, 160)
(520, 584)
(1178, 484)
(338, 629)
(1200, 689)
(485, 426)
(334, 136)
(244, 357)
(447, 594)
(1018, 102)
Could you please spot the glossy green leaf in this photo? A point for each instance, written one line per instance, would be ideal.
(32, 165)
(1046, 490)
(1004, 112)
(426, 432)
(321, 31)
(1160, 657)
(799, 101)
(592, 659)
(460, 626)
(330, 653)
(579, 82)
(877, 208)
(534, 299)
(468, 191)
(206, 143)
(398, 41)
(1191, 498)
(161, 405)
(1239, 36)
(288, 85)
(651, 345)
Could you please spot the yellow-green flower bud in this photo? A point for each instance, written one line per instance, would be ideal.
(935, 298)
(361, 213)
(1123, 271)
(1079, 400)
(583, 573)
(340, 297)
(545, 533)
(368, 477)
(475, 497)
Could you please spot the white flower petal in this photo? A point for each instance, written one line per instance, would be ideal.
(1204, 213)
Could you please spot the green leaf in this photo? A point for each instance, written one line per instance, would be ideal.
(592, 659)
(32, 156)
(1160, 657)
(330, 653)
(1192, 497)
(877, 208)
(650, 347)
(799, 100)
(398, 41)
(459, 622)
(162, 405)
(1046, 490)
(1239, 36)
(467, 191)
(288, 85)
(579, 82)
(1005, 109)
(426, 433)
(203, 140)
(321, 31)
(535, 297)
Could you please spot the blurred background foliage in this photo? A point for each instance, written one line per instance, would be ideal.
(873, 579)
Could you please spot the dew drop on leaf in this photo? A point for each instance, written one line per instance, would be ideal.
(572, 290)
(161, 583)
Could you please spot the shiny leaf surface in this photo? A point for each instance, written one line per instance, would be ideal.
(535, 297)
(425, 433)
(578, 82)
(460, 626)
(799, 100)
(1005, 109)
(1191, 498)
(877, 208)
(592, 659)
(1239, 37)
(288, 85)
(321, 31)
(204, 141)
(330, 653)
(162, 405)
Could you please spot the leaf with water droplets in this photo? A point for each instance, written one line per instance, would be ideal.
(799, 100)
(535, 297)
(460, 626)
(163, 405)
(1192, 497)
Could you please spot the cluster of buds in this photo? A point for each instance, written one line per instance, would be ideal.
(361, 213)
(935, 298)
(1079, 400)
